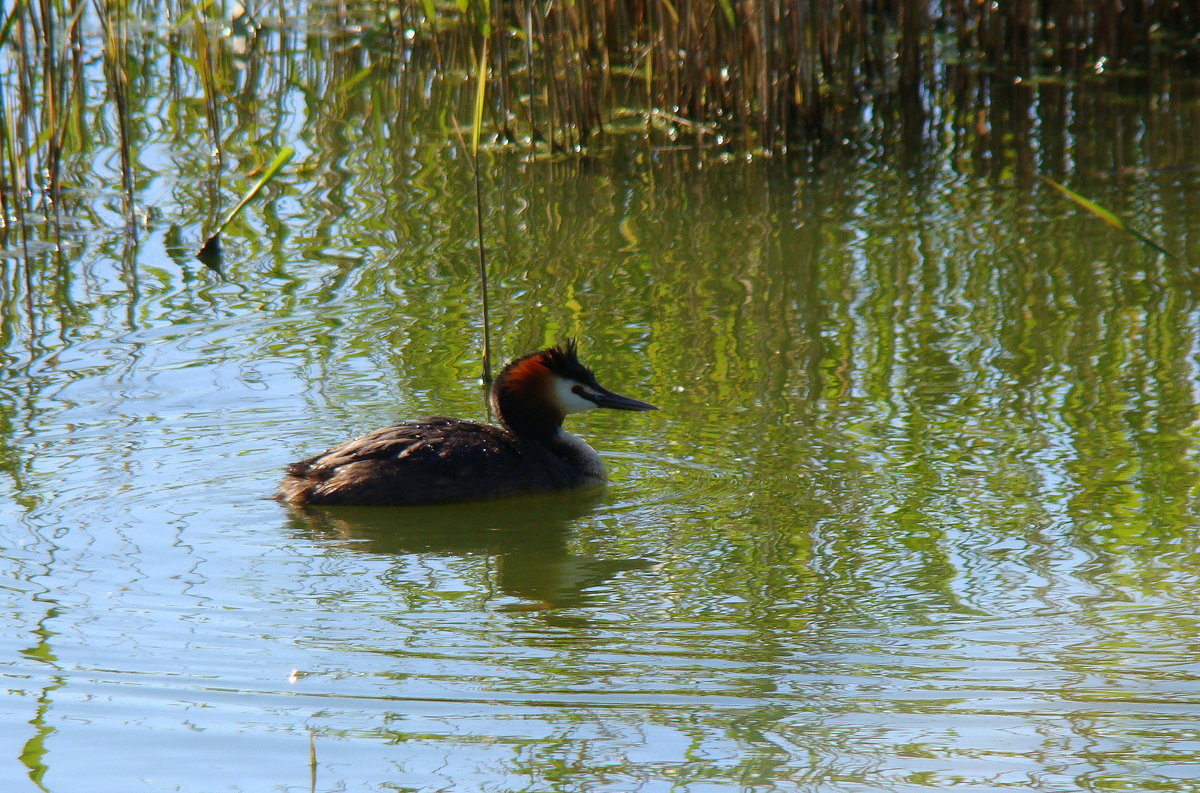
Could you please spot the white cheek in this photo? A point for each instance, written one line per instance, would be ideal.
(568, 400)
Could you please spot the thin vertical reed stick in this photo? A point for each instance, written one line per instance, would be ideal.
(529, 74)
(112, 21)
(312, 761)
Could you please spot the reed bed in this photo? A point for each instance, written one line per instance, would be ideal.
(766, 75)
(730, 76)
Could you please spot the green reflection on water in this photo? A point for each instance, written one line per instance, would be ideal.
(33, 753)
(918, 511)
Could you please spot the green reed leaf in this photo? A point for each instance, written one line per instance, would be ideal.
(8, 22)
(212, 244)
(727, 10)
(480, 86)
(1109, 217)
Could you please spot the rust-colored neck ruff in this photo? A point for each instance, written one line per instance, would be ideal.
(522, 397)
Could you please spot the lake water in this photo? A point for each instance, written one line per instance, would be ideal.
(919, 510)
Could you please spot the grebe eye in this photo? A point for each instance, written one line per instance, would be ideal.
(577, 389)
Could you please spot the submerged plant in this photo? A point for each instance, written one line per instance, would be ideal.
(210, 251)
(1109, 217)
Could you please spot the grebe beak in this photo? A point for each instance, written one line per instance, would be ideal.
(607, 399)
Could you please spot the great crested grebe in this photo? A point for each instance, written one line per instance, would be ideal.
(440, 460)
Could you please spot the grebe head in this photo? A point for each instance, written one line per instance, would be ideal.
(532, 395)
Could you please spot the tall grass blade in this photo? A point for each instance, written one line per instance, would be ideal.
(114, 26)
(476, 123)
(10, 175)
(8, 22)
(480, 89)
(727, 10)
(1107, 216)
(186, 17)
(208, 81)
(210, 250)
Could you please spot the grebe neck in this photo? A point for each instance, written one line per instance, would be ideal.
(526, 418)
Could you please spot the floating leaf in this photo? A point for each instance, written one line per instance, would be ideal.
(211, 249)
(1109, 217)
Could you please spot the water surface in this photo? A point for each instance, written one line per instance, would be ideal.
(918, 512)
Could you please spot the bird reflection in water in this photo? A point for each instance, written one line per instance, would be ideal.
(529, 537)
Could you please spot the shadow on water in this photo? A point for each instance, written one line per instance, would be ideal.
(529, 537)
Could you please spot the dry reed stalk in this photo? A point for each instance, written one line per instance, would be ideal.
(734, 74)
(204, 60)
(770, 73)
(116, 41)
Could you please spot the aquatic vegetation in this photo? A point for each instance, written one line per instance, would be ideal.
(210, 251)
(756, 76)
(1108, 217)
